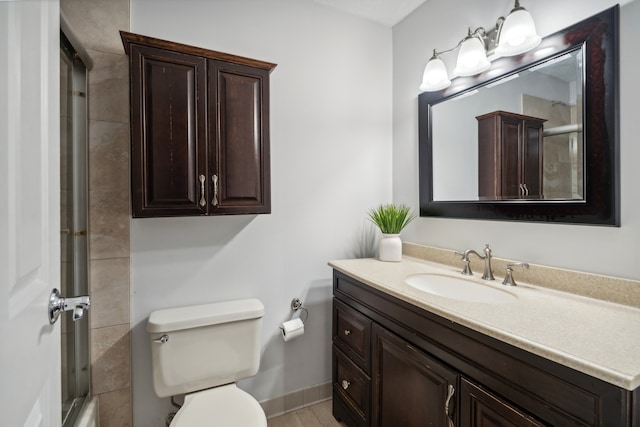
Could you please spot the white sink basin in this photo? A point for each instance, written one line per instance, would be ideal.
(459, 288)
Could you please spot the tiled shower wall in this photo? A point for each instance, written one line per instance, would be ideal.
(97, 24)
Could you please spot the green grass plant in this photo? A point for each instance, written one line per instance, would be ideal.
(391, 218)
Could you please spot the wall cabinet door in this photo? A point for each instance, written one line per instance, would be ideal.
(168, 133)
(410, 388)
(239, 138)
(479, 408)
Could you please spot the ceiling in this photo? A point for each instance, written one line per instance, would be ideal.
(387, 12)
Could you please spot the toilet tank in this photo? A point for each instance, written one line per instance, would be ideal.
(203, 346)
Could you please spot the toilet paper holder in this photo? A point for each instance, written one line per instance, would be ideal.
(296, 305)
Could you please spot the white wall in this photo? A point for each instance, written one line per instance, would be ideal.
(604, 250)
(331, 130)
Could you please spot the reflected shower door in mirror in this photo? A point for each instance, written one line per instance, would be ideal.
(533, 138)
(518, 138)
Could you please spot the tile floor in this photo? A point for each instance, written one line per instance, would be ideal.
(318, 415)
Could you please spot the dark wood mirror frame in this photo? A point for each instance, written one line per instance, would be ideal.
(601, 204)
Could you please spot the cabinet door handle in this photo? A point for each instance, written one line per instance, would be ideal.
(346, 384)
(347, 332)
(521, 189)
(203, 201)
(450, 393)
(526, 190)
(214, 202)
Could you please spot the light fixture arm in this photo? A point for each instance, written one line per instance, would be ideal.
(478, 32)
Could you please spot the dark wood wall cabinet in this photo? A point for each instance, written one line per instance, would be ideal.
(509, 156)
(199, 130)
(395, 364)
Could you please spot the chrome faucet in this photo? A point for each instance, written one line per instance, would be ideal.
(466, 270)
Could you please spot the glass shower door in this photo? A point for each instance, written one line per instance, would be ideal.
(73, 227)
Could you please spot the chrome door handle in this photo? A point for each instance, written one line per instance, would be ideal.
(58, 304)
(345, 384)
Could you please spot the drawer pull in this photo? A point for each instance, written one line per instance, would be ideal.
(347, 332)
(346, 384)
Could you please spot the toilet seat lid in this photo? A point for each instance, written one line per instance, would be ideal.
(226, 406)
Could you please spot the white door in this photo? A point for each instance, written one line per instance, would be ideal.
(29, 212)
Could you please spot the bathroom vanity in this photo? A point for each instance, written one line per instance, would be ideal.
(404, 357)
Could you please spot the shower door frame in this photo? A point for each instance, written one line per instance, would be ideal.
(76, 350)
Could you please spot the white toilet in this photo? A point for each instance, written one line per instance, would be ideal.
(200, 351)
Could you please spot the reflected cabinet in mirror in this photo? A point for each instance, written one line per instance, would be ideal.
(533, 138)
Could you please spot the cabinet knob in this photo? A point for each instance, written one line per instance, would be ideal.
(346, 384)
(347, 332)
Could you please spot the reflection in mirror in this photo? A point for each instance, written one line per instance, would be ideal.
(546, 161)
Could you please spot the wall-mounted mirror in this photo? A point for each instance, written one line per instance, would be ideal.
(533, 138)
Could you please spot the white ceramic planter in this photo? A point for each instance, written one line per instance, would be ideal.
(390, 248)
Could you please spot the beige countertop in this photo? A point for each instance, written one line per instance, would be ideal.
(598, 338)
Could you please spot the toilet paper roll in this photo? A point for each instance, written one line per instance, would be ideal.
(292, 329)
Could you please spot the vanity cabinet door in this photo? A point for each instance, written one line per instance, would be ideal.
(479, 408)
(410, 388)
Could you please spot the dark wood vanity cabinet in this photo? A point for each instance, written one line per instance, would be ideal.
(199, 130)
(509, 156)
(410, 388)
(395, 364)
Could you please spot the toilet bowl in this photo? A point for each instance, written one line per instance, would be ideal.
(200, 351)
(220, 406)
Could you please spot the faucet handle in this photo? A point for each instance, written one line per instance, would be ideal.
(508, 277)
(464, 256)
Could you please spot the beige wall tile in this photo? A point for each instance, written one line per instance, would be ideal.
(109, 292)
(109, 87)
(108, 156)
(98, 22)
(115, 408)
(109, 224)
(110, 359)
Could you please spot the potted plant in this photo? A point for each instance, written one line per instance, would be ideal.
(391, 219)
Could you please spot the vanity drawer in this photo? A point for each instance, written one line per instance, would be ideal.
(352, 333)
(352, 386)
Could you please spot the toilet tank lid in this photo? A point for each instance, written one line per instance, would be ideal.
(175, 319)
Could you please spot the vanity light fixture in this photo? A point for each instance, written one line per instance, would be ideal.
(513, 35)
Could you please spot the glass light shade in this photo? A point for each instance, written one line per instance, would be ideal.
(472, 58)
(518, 34)
(435, 76)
